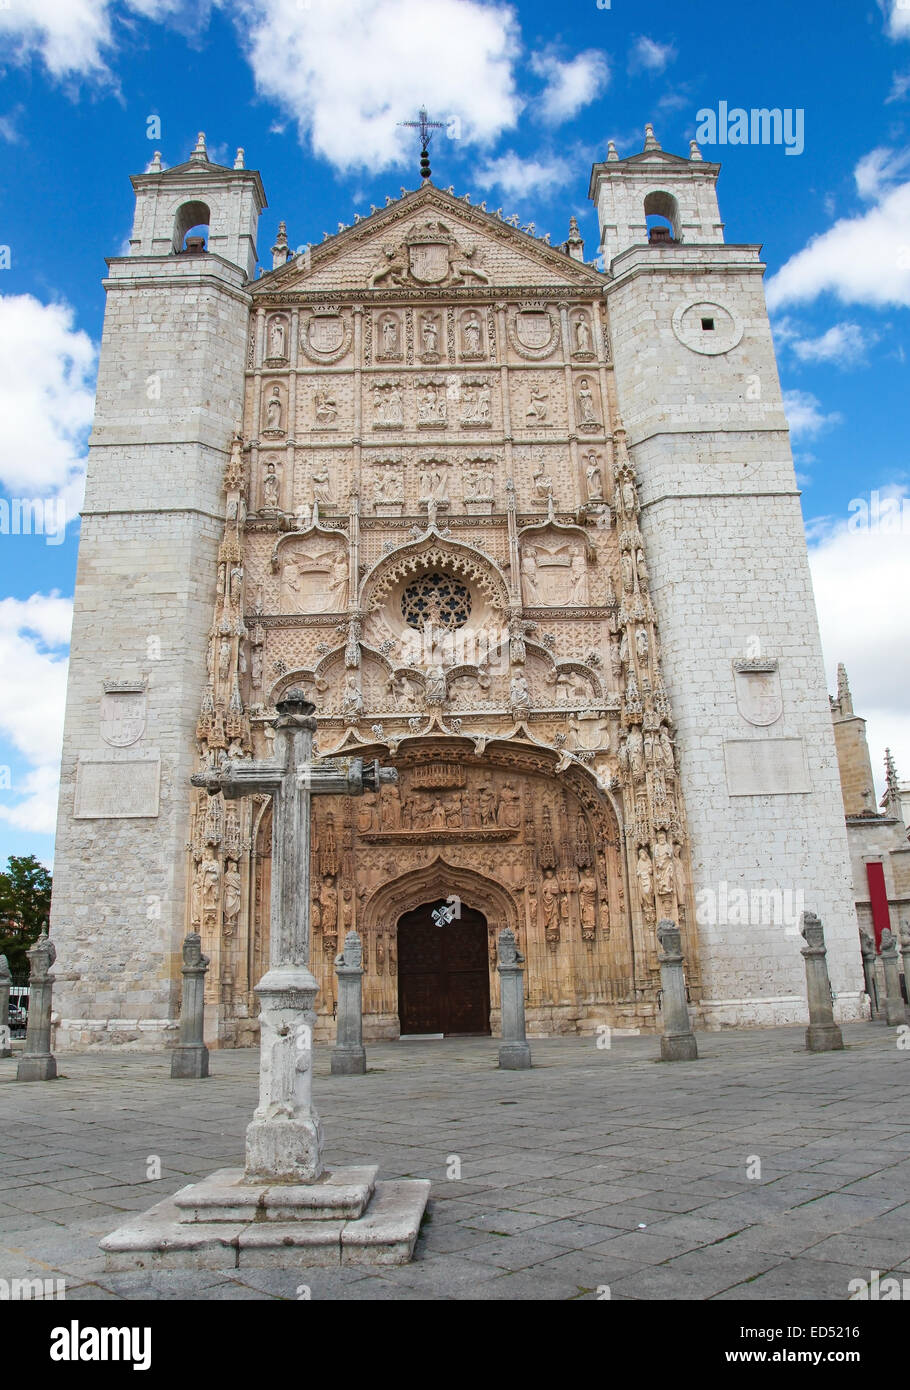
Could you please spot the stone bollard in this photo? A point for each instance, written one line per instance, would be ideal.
(905, 955)
(37, 1062)
(895, 1009)
(348, 1055)
(6, 980)
(823, 1034)
(867, 948)
(678, 1041)
(514, 1052)
(190, 1057)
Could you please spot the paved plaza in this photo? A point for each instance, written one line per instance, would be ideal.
(597, 1168)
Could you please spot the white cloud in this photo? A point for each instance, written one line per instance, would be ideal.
(518, 176)
(862, 260)
(33, 665)
(804, 414)
(46, 399)
(9, 125)
(861, 579)
(844, 344)
(878, 170)
(570, 85)
(898, 19)
(348, 73)
(900, 86)
(72, 37)
(647, 55)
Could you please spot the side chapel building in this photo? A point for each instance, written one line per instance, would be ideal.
(525, 528)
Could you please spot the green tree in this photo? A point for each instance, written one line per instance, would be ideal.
(25, 904)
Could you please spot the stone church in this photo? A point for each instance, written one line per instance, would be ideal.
(523, 526)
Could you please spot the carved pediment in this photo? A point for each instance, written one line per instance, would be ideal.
(426, 239)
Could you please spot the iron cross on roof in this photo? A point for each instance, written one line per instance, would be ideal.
(426, 127)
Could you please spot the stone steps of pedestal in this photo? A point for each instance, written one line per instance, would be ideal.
(340, 1195)
(162, 1238)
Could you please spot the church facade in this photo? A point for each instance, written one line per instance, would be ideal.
(525, 528)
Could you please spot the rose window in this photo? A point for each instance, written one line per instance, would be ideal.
(436, 599)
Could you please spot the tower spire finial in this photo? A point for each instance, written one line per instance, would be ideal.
(200, 152)
(844, 697)
(651, 141)
(425, 127)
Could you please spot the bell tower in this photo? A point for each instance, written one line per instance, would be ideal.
(699, 396)
(170, 395)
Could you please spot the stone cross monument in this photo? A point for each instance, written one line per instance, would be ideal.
(348, 1055)
(284, 1139)
(283, 1207)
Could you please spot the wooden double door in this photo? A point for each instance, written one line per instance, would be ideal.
(443, 972)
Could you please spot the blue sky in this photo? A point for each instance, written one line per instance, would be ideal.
(312, 90)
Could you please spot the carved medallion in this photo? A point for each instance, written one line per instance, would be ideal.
(325, 336)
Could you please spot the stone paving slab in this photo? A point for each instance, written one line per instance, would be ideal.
(560, 1167)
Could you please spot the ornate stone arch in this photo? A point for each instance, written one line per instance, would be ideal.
(431, 552)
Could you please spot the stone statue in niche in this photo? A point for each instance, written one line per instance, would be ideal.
(594, 475)
(352, 699)
(434, 481)
(325, 407)
(388, 407)
(431, 404)
(274, 410)
(519, 693)
(587, 414)
(487, 805)
(640, 566)
(390, 808)
(328, 911)
(538, 403)
(645, 876)
(366, 812)
(210, 875)
(628, 575)
(579, 580)
(587, 900)
(320, 487)
(430, 335)
(629, 497)
(389, 336)
(277, 338)
(435, 687)
(232, 897)
(664, 873)
(529, 578)
(471, 335)
(477, 404)
(582, 334)
(642, 644)
(632, 753)
(271, 487)
(549, 901)
(615, 657)
(509, 813)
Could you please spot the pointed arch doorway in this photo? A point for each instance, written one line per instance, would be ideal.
(443, 972)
